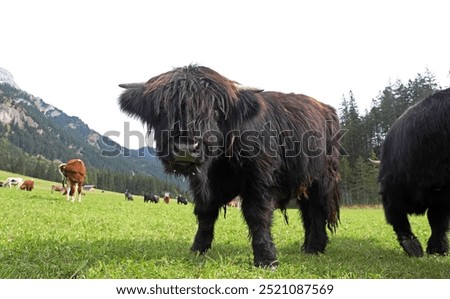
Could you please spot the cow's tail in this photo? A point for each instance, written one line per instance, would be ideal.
(61, 169)
(334, 211)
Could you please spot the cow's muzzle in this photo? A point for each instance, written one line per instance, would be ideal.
(187, 153)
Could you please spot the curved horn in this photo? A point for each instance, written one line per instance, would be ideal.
(249, 88)
(132, 85)
(375, 162)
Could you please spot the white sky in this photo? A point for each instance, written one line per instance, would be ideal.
(73, 54)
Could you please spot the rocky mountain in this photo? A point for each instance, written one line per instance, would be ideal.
(6, 77)
(42, 130)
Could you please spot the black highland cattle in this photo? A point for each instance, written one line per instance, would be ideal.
(128, 195)
(414, 172)
(151, 197)
(182, 200)
(230, 140)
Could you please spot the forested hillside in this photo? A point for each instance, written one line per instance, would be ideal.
(36, 137)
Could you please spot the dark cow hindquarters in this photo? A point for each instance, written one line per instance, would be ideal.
(414, 173)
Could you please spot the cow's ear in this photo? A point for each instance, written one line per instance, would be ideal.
(131, 101)
(249, 106)
(138, 103)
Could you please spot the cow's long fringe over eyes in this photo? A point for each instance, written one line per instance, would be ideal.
(191, 96)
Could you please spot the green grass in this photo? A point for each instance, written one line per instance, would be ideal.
(43, 236)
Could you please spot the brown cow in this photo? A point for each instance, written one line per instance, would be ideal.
(74, 172)
(27, 185)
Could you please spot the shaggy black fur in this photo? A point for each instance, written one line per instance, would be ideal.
(267, 147)
(415, 172)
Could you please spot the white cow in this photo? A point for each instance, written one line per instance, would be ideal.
(13, 182)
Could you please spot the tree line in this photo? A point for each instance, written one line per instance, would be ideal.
(366, 131)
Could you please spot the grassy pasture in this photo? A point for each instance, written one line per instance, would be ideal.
(43, 236)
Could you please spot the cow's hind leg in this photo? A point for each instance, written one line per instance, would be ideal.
(306, 219)
(75, 190)
(314, 212)
(206, 219)
(398, 218)
(68, 190)
(439, 218)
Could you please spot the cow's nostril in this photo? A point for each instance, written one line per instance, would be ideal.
(191, 148)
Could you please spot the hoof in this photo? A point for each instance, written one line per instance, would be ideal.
(412, 247)
(312, 250)
(200, 249)
(438, 245)
(437, 251)
(267, 265)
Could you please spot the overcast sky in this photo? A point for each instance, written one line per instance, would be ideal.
(73, 54)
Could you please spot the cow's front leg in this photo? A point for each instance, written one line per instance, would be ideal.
(206, 219)
(258, 215)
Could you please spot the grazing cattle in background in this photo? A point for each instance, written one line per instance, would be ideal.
(228, 140)
(181, 199)
(27, 185)
(58, 188)
(128, 195)
(151, 198)
(166, 198)
(234, 203)
(414, 173)
(13, 182)
(74, 173)
(89, 188)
